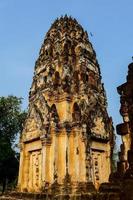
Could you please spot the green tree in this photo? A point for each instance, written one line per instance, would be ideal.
(11, 123)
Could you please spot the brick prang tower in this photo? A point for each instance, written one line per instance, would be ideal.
(67, 139)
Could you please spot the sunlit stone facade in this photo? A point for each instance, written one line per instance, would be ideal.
(67, 138)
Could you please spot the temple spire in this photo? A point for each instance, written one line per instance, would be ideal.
(68, 132)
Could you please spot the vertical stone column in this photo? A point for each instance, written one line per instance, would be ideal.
(30, 185)
(71, 156)
(67, 150)
(52, 156)
(47, 165)
(26, 171)
(21, 166)
(43, 160)
(61, 163)
(55, 149)
(46, 144)
(76, 154)
(82, 155)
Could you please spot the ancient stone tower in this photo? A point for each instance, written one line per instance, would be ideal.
(125, 129)
(67, 137)
(120, 186)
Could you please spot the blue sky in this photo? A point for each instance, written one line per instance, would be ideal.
(24, 23)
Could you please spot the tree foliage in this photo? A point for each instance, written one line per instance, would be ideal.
(11, 117)
(11, 123)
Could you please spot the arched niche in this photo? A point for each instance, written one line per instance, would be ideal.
(92, 79)
(76, 76)
(48, 49)
(56, 79)
(76, 114)
(76, 81)
(83, 105)
(66, 46)
(54, 114)
(83, 77)
(78, 50)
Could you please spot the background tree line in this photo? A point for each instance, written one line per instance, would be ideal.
(11, 124)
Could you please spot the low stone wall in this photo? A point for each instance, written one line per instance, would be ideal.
(96, 196)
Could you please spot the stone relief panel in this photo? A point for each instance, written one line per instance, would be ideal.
(99, 127)
(35, 171)
(32, 125)
(97, 167)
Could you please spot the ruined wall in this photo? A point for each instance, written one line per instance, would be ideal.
(125, 129)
